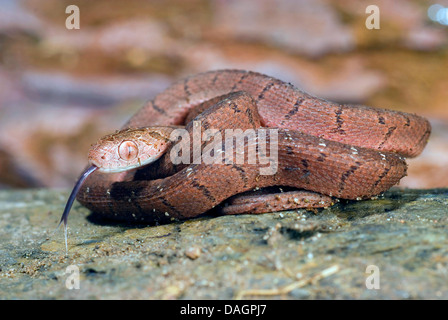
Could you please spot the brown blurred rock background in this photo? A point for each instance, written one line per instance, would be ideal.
(61, 89)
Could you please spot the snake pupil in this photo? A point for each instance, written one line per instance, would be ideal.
(127, 150)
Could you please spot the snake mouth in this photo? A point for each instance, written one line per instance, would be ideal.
(120, 169)
(139, 163)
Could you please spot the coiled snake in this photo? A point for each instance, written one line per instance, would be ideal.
(325, 150)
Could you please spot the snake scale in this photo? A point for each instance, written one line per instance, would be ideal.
(325, 150)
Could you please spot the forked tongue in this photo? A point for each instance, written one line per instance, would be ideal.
(72, 198)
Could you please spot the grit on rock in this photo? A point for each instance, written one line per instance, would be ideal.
(404, 234)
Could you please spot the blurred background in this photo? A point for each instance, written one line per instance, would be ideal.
(62, 89)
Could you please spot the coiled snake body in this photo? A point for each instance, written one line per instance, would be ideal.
(325, 150)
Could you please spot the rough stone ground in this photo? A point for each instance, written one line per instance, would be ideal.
(295, 255)
(62, 89)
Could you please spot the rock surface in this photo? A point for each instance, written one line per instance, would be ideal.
(295, 255)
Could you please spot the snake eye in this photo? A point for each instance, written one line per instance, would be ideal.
(128, 150)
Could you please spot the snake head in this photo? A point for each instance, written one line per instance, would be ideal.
(129, 149)
(124, 150)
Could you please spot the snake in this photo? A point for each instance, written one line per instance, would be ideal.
(324, 151)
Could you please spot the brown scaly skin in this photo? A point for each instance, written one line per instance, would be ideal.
(332, 150)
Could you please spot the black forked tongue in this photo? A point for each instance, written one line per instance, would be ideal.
(72, 198)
